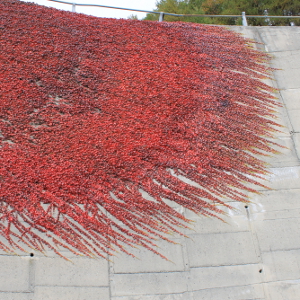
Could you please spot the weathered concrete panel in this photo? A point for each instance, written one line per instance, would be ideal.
(287, 156)
(149, 283)
(278, 234)
(14, 274)
(70, 293)
(281, 265)
(255, 291)
(16, 296)
(283, 290)
(272, 205)
(80, 272)
(275, 200)
(280, 38)
(147, 261)
(221, 249)
(281, 118)
(207, 225)
(288, 63)
(284, 178)
(296, 138)
(285, 214)
(235, 220)
(224, 276)
(182, 296)
(279, 178)
(291, 98)
(295, 117)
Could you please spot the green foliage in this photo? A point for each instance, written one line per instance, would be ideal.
(255, 7)
(180, 7)
(133, 17)
(229, 7)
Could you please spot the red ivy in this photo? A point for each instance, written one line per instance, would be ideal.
(102, 120)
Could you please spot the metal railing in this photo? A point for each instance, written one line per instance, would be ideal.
(162, 14)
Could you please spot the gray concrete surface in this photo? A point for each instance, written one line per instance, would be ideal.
(255, 255)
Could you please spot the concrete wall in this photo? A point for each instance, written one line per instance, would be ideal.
(255, 255)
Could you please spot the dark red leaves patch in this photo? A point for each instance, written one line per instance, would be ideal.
(103, 120)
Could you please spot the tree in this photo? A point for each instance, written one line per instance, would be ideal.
(133, 17)
(180, 7)
(230, 7)
(254, 7)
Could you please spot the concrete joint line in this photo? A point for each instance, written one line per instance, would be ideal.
(257, 249)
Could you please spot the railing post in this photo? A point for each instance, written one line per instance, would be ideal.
(73, 7)
(245, 23)
(267, 20)
(161, 17)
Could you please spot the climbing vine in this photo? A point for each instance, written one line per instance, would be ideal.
(103, 120)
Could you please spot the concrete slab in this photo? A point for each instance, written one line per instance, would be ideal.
(71, 293)
(281, 117)
(270, 205)
(274, 200)
(253, 292)
(287, 156)
(278, 179)
(224, 276)
(281, 265)
(288, 63)
(147, 261)
(234, 221)
(285, 214)
(284, 290)
(283, 178)
(296, 138)
(16, 296)
(280, 38)
(14, 274)
(278, 234)
(221, 249)
(295, 119)
(181, 296)
(291, 98)
(80, 272)
(149, 283)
